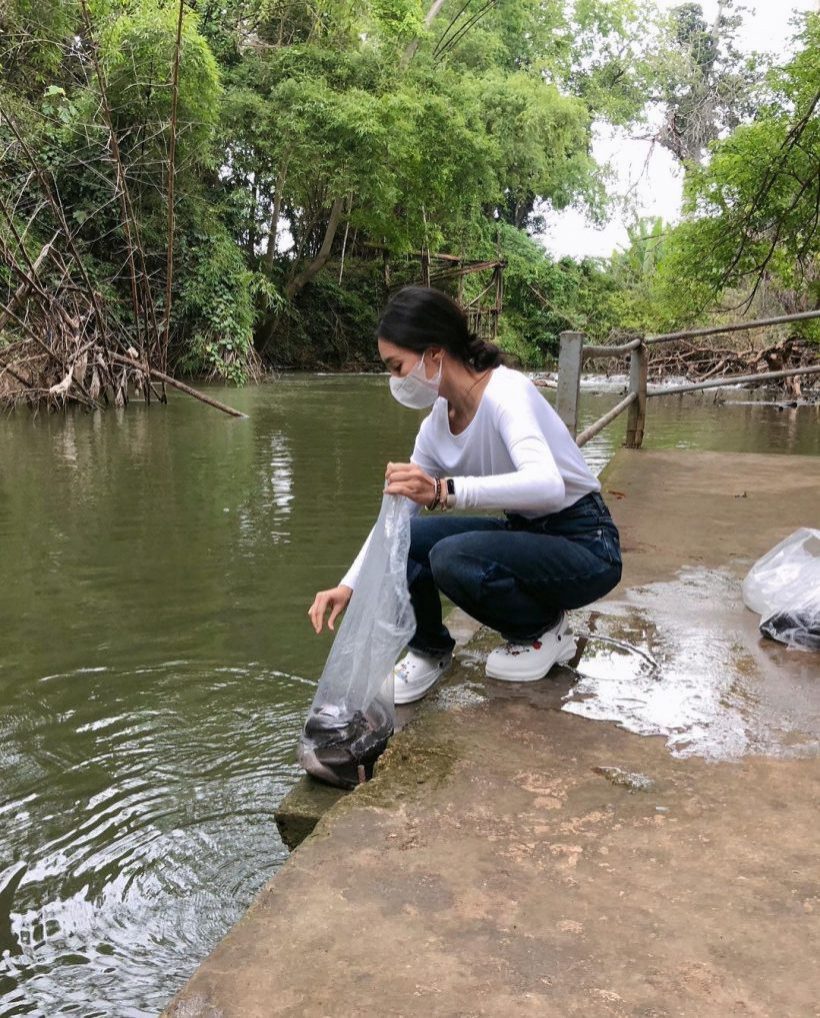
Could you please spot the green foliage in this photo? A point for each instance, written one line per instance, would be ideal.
(705, 84)
(543, 297)
(137, 48)
(539, 139)
(751, 213)
(416, 155)
(322, 144)
(33, 34)
(215, 307)
(331, 325)
(636, 302)
(398, 20)
(610, 57)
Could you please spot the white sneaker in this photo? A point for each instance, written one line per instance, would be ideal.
(416, 674)
(526, 662)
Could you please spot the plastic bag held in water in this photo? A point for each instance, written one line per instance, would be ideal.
(352, 714)
(783, 587)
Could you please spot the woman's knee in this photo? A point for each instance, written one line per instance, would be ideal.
(429, 530)
(444, 561)
(456, 570)
(429, 540)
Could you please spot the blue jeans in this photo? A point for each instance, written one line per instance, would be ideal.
(512, 574)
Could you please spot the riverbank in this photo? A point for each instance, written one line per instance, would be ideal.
(504, 860)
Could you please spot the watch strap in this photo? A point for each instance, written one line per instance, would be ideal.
(450, 493)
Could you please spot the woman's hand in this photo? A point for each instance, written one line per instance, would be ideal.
(335, 599)
(411, 481)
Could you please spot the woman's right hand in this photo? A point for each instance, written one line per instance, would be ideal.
(335, 599)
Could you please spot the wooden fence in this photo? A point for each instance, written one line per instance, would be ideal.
(573, 353)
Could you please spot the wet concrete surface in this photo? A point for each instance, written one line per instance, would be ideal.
(514, 857)
(719, 690)
(704, 680)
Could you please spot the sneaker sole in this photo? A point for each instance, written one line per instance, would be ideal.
(562, 659)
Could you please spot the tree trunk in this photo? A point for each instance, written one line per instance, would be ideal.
(301, 280)
(344, 242)
(251, 241)
(172, 143)
(270, 252)
(429, 18)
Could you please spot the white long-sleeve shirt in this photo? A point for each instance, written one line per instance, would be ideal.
(516, 454)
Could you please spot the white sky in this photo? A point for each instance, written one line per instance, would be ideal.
(653, 172)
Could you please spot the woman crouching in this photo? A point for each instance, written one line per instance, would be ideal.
(490, 442)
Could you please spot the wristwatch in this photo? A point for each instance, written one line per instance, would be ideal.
(450, 494)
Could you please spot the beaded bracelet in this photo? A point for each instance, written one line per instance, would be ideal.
(436, 498)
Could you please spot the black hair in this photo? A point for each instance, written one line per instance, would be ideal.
(418, 317)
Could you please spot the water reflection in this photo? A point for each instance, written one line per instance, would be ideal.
(147, 806)
(268, 505)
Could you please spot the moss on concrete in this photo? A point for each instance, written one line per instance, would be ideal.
(418, 757)
(303, 807)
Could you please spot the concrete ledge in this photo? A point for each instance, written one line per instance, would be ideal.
(303, 807)
(497, 864)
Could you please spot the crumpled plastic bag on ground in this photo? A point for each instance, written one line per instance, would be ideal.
(352, 715)
(783, 587)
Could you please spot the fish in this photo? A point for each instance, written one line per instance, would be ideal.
(796, 627)
(336, 742)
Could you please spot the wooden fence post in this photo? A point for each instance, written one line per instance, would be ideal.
(570, 357)
(636, 420)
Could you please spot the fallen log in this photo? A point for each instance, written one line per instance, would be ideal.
(176, 384)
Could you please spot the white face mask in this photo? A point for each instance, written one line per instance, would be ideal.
(415, 390)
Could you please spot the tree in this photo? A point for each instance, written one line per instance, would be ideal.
(706, 85)
(636, 303)
(752, 213)
(321, 145)
(409, 146)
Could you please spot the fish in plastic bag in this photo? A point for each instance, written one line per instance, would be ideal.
(352, 715)
(783, 587)
(796, 628)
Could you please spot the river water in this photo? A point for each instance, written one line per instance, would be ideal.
(156, 660)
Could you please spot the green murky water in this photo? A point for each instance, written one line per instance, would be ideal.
(156, 661)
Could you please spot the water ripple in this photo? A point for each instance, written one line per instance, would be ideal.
(168, 835)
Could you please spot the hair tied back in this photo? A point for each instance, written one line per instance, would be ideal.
(483, 355)
(417, 318)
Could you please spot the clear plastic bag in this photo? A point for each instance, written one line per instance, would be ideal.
(352, 715)
(783, 587)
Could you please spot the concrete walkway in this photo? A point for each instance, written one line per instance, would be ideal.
(510, 859)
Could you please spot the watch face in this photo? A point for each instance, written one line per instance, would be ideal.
(451, 486)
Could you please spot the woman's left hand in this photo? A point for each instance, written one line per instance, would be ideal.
(411, 481)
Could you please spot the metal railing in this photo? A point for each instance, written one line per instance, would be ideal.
(573, 352)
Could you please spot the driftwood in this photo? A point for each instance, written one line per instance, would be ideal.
(699, 362)
(64, 350)
(59, 344)
(176, 384)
